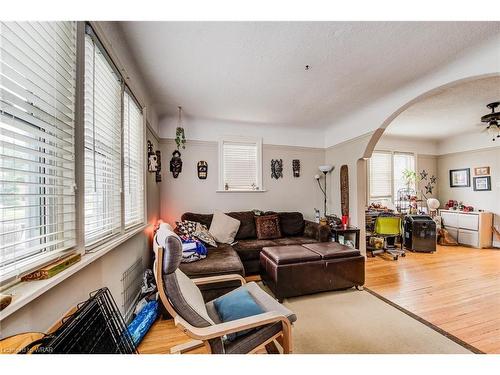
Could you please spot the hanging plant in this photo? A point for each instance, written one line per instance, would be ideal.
(180, 137)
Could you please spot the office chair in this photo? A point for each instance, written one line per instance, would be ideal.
(389, 228)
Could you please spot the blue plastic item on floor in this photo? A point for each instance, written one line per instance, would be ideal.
(143, 321)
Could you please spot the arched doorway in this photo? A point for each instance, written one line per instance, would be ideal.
(374, 138)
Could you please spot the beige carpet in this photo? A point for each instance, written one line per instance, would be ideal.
(357, 322)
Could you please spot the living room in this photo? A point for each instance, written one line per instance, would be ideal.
(230, 171)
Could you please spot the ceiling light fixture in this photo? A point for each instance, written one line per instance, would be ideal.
(492, 120)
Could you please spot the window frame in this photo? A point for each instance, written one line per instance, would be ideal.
(257, 141)
(103, 245)
(392, 198)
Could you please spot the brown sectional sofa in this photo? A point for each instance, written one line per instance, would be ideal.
(243, 257)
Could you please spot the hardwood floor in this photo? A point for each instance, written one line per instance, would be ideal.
(456, 289)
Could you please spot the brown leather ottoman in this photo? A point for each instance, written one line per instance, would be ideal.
(296, 270)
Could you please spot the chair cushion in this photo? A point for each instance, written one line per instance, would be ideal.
(268, 227)
(236, 305)
(249, 341)
(250, 249)
(224, 227)
(221, 260)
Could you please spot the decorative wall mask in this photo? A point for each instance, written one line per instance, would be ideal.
(202, 170)
(152, 162)
(277, 168)
(158, 166)
(176, 163)
(180, 137)
(296, 167)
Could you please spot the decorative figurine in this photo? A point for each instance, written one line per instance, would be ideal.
(152, 163)
(202, 170)
(158, 166)
(296, 167)
(176, 163)
(277, 168)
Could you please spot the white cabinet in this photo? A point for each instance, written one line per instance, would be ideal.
(469, 228)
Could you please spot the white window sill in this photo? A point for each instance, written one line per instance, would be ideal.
(241, 191)
(26, 291)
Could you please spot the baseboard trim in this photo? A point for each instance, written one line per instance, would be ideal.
(453, 338)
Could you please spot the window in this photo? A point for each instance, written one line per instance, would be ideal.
(386, 175)
(240, 164)
(37, 123)
(133, 160)
(103, 182)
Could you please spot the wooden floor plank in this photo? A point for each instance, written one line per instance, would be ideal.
(455, 288)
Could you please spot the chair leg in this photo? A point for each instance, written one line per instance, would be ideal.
(286, 341)
(186, 347)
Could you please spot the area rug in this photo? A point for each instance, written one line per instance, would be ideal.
(353, 321)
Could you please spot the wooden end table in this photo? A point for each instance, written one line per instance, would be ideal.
(343, 231)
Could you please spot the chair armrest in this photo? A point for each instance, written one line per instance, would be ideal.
(219, 330)
(219, 279)
(320, 233)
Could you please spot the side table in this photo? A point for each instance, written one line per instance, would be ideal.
(343, 231)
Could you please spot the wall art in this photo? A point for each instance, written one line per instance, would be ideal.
(481, 171)
(296, 167)
(202, 170)
(152, 163)
(277, 168)
(482, 183)
(158, 166)
(460, 177)
(176, 163)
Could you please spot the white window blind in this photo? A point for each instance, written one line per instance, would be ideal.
(381, 175)
(241, 165)
(37, 105)
(103, 93)
(133, 161)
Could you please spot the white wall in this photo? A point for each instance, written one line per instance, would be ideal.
(417, 146)
(198, 129)
(188, 193)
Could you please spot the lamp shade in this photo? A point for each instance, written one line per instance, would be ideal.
(433, 204)
(325, 168)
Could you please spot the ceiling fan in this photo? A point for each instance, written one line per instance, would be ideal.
(492, 119)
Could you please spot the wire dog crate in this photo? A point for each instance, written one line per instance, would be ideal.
(96, 327)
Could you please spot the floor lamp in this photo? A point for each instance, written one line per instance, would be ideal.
(325, 169)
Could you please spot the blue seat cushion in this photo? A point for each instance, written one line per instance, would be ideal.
(235, 305)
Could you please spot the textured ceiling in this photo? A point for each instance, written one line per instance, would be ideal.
(451, 111)
(254, 71)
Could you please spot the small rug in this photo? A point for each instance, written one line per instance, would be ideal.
(353, 321)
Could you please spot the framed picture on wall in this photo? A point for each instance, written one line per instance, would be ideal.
(481, 171)
(460, 177)
(482, 183)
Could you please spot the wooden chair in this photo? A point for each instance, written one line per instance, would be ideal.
(183, 300)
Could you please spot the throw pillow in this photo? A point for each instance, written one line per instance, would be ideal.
(268, 227)
(185, 228)
(224, 227)
(204, 235)
(237, 304)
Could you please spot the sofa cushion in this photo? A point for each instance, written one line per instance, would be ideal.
(247, 224)
(222, 260)
(304, 240)
(268, 227)
(291, 223)
(250, 249)
(205, 219)
(224, 227)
